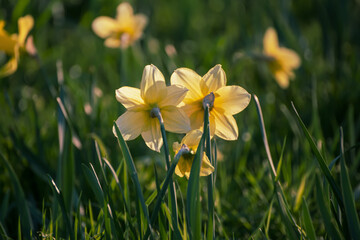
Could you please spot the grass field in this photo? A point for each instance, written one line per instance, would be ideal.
(291, 172)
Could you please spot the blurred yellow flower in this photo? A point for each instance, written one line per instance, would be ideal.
(11, 44)
(283, 60)
(191, 141)
(224, 101)
(143, 104)
(122, 31)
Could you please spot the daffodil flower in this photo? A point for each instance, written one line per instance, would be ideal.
(282, 60)
(223, 101)
(144, 105)
(12, 44)
(122, 31)
(191, 142)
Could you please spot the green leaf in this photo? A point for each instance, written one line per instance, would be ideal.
(21, 203)
(278, 169)
(193, 208)
(348, 196)
(320, 160)
(94, 183)
(325, 212)
(133, 174)
(61, 202)
(309, 227)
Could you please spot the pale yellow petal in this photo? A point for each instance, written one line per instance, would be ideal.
(151, 75)
(178, 171)
(214, 79)
(113, 43)
(270, 41)
(152, 136)
(174, 95)
(175, 120)
(176, 147)
(212, 125)
(129, 97)
(197, 120)
(192, 107)
(289, 58)
(104, 26)
(131, 124)
(25, 24)
(155, 93)
(9, 68)
(124, 10)
(192, 138)
(206, 167)
(226, 127)
(282, 79)
(139, 25)
(232, 99)
(190, 80)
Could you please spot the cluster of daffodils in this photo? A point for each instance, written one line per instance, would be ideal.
(12, 44)
(181, 108)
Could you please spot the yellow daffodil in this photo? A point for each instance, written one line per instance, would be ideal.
(191, 141)
(224, 101)
(282, 60)
(144, 104)
(122, 31)
(11, 44)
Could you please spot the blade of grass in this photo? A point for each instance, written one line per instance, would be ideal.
(325, 212)
(193, 208)
(61, 202)
(21, 203)
(286, 215)
(309, 227)
(320, 160)
(348, 196)
(133, 174)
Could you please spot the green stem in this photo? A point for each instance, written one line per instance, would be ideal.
(173, 202)
(210, 182)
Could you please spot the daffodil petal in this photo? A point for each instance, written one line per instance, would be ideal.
(140, 23)
(282, 79)
(232, 99)
(192, 107)
(214, 79)
(151, 75)
(152, 136)
(197, 120)
(131, 124)
(104, 27)
(9, 68)
(190, 80)
(114, 43)
(270, 41)
(206, 167)
(176, 147)
(178, 171)
(129, 97)
(175, 120)
(25, 24)
(289, 58)
(124, 10)
(192, 138)
(7, 44)
(226, 127)
(174, 95)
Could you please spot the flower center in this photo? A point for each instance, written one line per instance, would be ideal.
(209, 100)
(155, 112)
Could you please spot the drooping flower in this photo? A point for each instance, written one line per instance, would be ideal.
(191, 142)
(224, 101)
(142, 106)
(122, 31)
(282, 60)
(12, 44)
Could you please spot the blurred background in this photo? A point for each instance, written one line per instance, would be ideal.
(196, 35)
